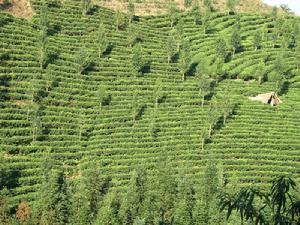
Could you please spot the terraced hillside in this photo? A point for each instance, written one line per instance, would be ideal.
(66, 121)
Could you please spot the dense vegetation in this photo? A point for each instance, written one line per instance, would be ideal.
(89, 96)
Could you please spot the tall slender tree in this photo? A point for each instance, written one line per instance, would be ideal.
(196, 12)
(131, 10)
(86, 6)
(221, 48)
(171, 47)
(138, 61)
(257, 39)
(184, 60)
(235, 39)
(158, 91)
(101, 40)
(231, 4)
(298, 54)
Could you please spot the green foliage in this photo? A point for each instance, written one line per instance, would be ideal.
(254, 205)
(221, 48)
(119, 19)
(188, 3)
(185, 59)
(235, 39)
(86, 6)
(158, 91)
(101, 95)
(109, 212)
(173, 13)
(196, 13)
(101, 40)
(52, 205)
(298, 54)
(83, 60)
(257, 39)
(133, 35)
(171, 47)
(231, 4)
(274, 13)
(208, 5)
(131, 10)
(206, 21)
(137, 60)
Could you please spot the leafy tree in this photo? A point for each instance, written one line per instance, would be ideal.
(132, 205)
(88, 194)
(158, 91)
(35, 122)
(101, 95)
(188, 3)
(101, 40)
(138, 61)
(184, 60)
(212, 117)
(4, 208)
(52, 198)
(134, 106)
(173, 13)
(119, 20)
(254, 205)
(257, 39)
(131, 10)
(208, 5)
(221, 48)
(133, 36)
(205, 211)
(86, 6)
(43, 41)
(260, 72)
(196, 12)
(83, 60)
(166, 192)
(43, 35)
(231, 4)
(204, 85)
(298, 54)
(226, 105)
(171, 47)
(235, 39)
(206, 21)
(204, 135)
(44, 20)
(109, 212)
(184, 204)
(274, 13)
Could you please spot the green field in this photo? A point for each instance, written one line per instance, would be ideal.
(55, 110)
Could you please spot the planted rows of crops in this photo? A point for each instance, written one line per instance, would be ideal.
(72, 126)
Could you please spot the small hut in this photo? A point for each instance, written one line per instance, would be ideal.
(270, 98)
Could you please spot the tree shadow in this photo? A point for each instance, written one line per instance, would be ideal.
(284, 88)
(52, 57)
(107, 100)
(141, 112)
(146, 68)
(108, 50)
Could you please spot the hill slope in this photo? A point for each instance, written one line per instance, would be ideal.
(256, 143)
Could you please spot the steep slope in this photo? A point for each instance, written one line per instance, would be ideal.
(72, 128)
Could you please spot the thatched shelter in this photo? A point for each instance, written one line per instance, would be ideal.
(270, 98)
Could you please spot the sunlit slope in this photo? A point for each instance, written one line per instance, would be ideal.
(257, 143)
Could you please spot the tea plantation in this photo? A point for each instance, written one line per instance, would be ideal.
(81, 104)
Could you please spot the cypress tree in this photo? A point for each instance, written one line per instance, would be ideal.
(257, 39)
(158, 91)
(52, 206)
(221, 48)
(173, 13)
(131, 10)
(86, 6)
(138, 61)
(109, 212)
(231, 4)
(235, 39)
(298, 54)
(171, 47)
(43, 35)
(101, 40)
(184, 60)
(196, 12)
